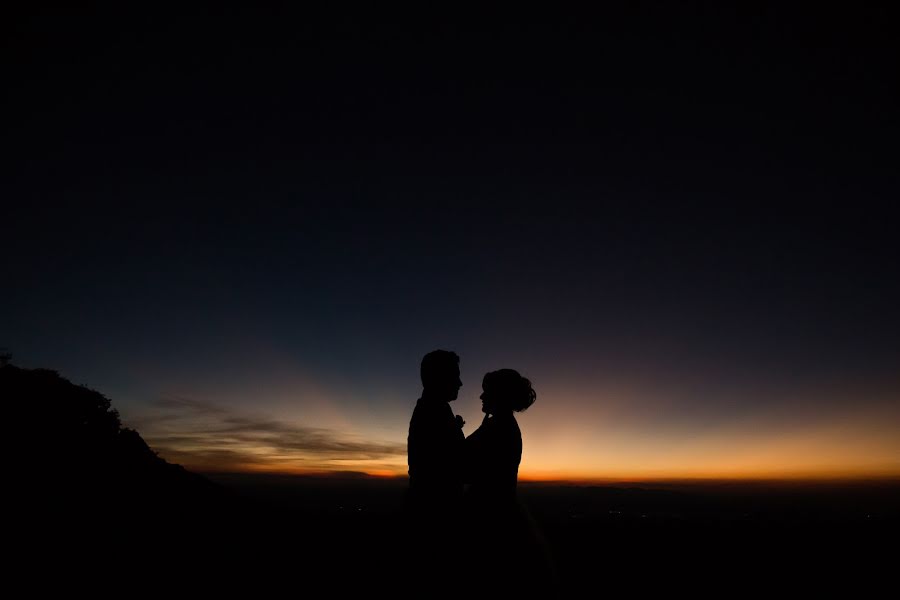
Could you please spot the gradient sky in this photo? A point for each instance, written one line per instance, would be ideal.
(247, 227)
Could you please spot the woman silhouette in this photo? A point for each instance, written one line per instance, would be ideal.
(505, 539)
(494, 450)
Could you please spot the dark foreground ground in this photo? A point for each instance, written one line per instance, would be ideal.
(347, 535)
(270, 536)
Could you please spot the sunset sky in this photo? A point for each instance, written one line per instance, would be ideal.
(246, 228)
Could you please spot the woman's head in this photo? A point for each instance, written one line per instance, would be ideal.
(506, 391)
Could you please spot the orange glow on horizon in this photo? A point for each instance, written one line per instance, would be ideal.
(613, 476)
(688, 475)
(615, 433)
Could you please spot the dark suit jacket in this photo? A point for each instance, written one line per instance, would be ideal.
(435, 454)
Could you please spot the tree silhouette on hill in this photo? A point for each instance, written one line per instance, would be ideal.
(75, 455)
(86, 491)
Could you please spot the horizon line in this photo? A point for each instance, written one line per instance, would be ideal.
(662, 480)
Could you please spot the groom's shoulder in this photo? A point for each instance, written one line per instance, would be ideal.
(422, 410)
(431, 410)
(425, 407)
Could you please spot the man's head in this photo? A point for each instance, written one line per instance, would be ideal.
(440, 375)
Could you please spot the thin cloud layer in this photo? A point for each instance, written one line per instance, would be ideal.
(207, 437)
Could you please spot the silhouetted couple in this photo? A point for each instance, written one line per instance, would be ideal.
(462, 491)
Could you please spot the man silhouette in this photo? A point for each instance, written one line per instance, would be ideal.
(436, 440)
